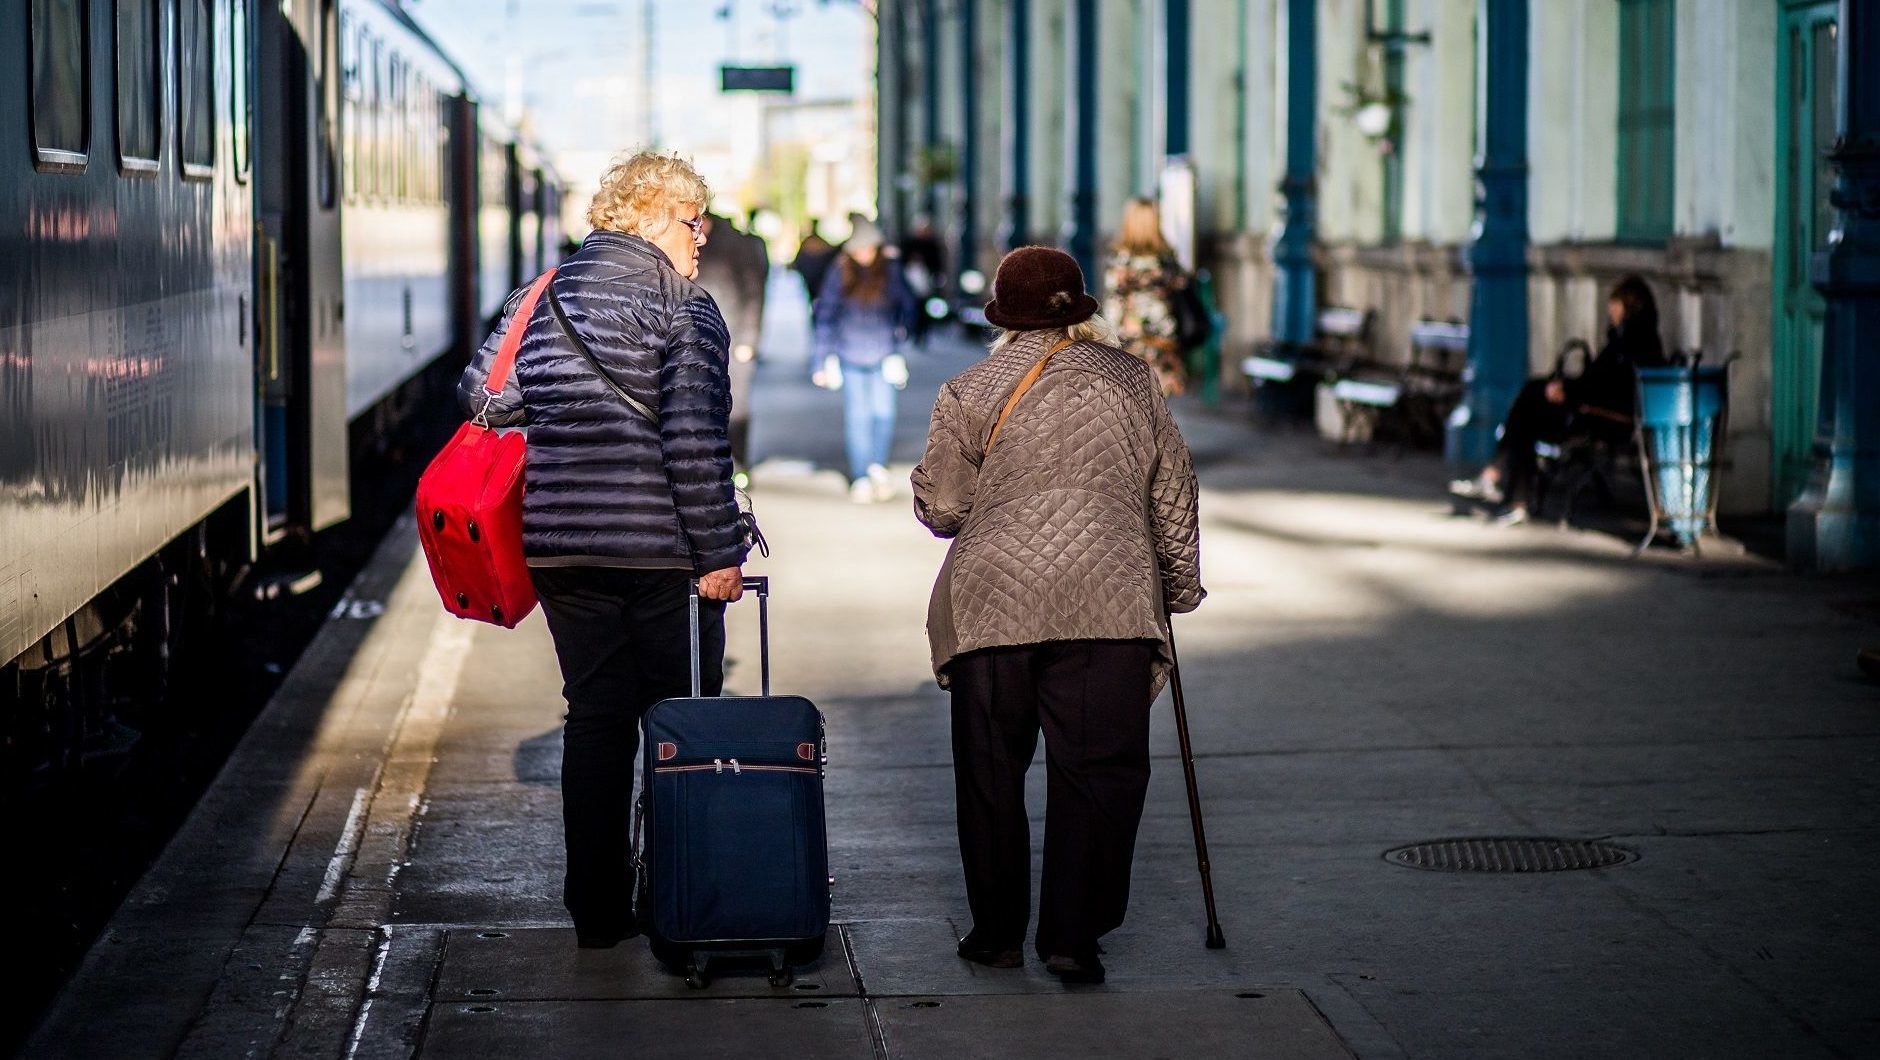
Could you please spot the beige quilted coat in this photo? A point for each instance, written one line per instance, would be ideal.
(1059, 535)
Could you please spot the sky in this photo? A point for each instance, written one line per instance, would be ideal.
(574, 68)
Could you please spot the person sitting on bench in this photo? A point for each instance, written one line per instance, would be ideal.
(1599, 403)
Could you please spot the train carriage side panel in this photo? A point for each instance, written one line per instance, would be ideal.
(497, 273)
(126, 412)
(397, 218)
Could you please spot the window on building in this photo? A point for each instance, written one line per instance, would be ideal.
(195, 87)
(1647, 118)
(139, 92)
(59, 77)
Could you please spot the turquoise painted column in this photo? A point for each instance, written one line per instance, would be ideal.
(1016, 230)
(1835, 524)
(1295, 284)
(1080, 227)
(1176, 33)
(966, 257)
(930, 97)
(1498, 303)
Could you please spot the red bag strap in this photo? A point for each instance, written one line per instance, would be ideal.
(512, 339)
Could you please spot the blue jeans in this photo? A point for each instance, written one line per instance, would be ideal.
(867, 417)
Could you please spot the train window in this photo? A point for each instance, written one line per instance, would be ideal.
(195, 88)
(352, 44)
(446, 106)
(326, 102)
(139, 99)
(375, 105)
(60, 79)
(240, 113)
(395, 128)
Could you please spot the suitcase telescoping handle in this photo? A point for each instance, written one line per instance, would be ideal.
(760, 586)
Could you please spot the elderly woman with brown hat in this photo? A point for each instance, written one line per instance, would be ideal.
(1056, 469)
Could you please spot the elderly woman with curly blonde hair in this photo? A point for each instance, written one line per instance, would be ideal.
(622, 381)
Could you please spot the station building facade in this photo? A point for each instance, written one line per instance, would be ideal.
(1495, 162)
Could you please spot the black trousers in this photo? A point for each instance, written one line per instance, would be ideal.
(622, 641)
(1091, 698)
(1532, 418)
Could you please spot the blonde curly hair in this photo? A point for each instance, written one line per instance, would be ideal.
(640, 195)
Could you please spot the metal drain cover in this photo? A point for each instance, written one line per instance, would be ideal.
(1510, 854)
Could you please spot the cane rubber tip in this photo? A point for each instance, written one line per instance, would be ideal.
(1216, 940)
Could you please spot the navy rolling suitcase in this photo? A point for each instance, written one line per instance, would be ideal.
(734, 861)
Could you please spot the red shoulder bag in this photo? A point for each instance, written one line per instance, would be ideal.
(470, 503)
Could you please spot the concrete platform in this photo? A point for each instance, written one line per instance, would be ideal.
(1368, 672)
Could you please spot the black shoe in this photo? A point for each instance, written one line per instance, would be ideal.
(991, 956)
(1073, 970)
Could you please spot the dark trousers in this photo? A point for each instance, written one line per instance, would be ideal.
(1091, 698)
(622, 641)
(1532, 418)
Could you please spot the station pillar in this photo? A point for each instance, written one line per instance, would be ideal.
(967, 255)
(1175, 36)
(1014, 231)
(1295, 283)
(1498, 300)
(930, 99)
(1835, 524)
(1080, 228)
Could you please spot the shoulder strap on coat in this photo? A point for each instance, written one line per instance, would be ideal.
(1018, 391)
(512, 339)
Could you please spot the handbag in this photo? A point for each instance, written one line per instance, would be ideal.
(469, 503)
(1193, 327)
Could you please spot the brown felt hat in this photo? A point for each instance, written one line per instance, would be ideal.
(1038, 288)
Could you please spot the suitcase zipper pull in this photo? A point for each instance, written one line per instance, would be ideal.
(718, 765)
(735, 771)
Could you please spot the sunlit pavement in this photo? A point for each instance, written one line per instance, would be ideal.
(377, 872)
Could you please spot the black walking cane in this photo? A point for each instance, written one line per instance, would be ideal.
(1216, 940)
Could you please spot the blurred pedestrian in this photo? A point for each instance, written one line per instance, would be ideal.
(625, 505)
(737, 271)
(1599, 403)
(813, 258)
(925, 262)
(1067, 489)
(1144, 280)
(861, 323)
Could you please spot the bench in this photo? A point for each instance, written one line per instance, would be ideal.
(1599, 455)
(1285, 375)
(1433, 380)
(1411, 402)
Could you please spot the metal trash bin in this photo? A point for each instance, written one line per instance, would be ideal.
(1681, 412)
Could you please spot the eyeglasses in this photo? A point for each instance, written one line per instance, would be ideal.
(697, 225)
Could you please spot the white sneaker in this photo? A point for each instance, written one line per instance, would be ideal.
(862, 491)
(1481, 488)
(1512, 517)
(883, 482)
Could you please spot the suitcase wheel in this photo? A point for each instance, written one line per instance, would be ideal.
(782, 979)
(463, 600)
(696, 978)
(496, 612)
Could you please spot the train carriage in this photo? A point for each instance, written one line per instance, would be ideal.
(233, 233)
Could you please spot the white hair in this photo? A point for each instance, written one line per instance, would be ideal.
(1095, 329)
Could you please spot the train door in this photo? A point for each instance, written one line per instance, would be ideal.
(301, 360)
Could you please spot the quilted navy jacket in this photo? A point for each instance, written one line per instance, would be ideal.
(605, 486)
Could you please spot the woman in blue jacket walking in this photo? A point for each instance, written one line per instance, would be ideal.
(862, 318)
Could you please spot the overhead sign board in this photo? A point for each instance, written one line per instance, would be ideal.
(757, 79)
